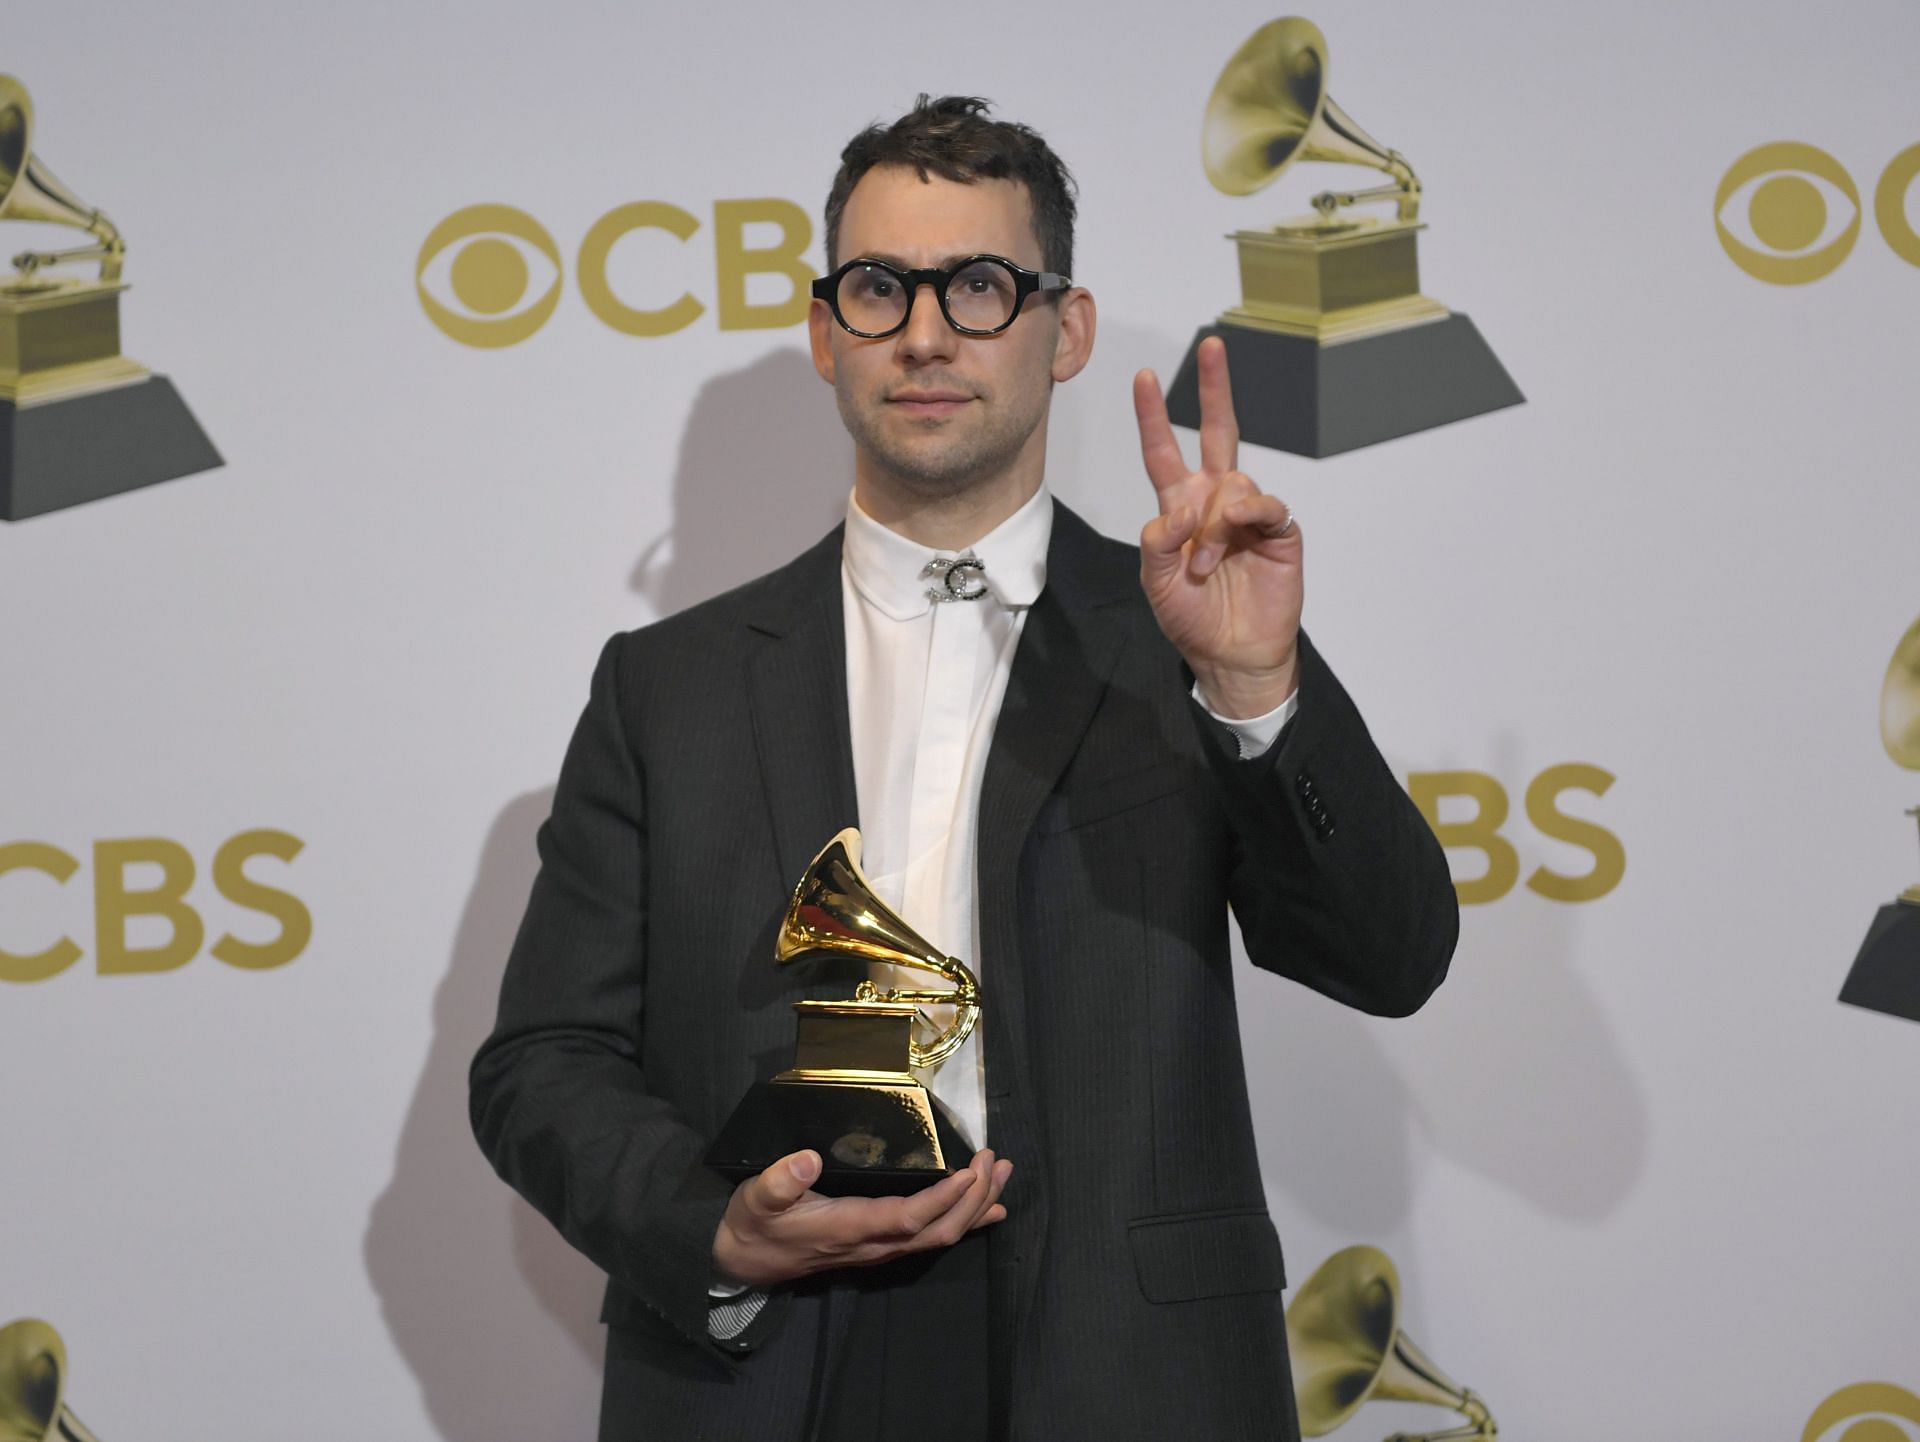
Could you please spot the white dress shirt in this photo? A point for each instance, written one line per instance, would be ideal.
(924, 685)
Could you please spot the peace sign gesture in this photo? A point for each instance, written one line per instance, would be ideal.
(1221, 562)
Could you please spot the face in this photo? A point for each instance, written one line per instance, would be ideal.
(940, 412)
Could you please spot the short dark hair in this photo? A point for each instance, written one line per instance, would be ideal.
(953, 138)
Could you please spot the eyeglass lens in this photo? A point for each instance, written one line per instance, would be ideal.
(980, 297)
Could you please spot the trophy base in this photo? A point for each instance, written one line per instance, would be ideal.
(887, 1136)
(1886, 974)
(82, 447)
(1293, 393)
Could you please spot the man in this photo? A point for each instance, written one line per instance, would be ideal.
(1068, 758)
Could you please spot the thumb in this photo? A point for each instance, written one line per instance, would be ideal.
(786, 1181)
(1160, 545)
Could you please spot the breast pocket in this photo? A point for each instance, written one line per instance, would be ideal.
(1094, 801)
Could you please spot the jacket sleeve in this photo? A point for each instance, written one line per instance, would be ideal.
(558, 1094)
(1337, 882)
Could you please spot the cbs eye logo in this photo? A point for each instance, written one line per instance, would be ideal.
(489, 277)
(1866, 1412)
(1777, 211)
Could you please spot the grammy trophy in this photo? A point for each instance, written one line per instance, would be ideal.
(851, 1094)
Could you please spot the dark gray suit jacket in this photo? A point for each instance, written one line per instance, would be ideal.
(1136, 1282)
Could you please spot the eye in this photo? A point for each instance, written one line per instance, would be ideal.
(1866, 1412)
(488, 275)
(871, 281)
(1787, 213)
(1896, 205)
(984, 277)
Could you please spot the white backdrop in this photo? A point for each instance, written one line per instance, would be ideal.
(1639, 1169)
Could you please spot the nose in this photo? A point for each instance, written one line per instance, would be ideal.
(926, 337)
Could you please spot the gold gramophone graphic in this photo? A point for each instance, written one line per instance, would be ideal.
(33, 1381)
(1343, 1331)
(1332, 346)
(78, 420)
(1886, 974)
(851, 1094)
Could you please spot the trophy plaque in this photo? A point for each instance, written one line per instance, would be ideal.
(78, 420)
(1332, 346)
(851, 1094)
(1886, 974)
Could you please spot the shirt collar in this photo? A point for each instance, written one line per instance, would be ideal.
(885, 565)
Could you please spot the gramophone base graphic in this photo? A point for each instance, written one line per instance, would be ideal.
(850, 1097)
(79, 421)
(1886, 974)
(1292, 393)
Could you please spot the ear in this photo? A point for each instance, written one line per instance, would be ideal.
(1073, 347)
(820, 328)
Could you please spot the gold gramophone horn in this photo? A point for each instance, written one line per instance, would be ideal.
(834, 909)
(1900, 717)
(1343, 1330)
(1900, 702)
(33, 1374)
(1270, 107)
(30, 191)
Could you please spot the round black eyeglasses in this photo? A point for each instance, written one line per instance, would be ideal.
(979, 295)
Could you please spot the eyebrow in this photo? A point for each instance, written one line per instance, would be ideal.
(946, 262)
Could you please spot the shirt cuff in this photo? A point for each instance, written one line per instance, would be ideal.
(1254, 733)
(728, 1317)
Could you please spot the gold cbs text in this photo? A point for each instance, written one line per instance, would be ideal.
(1482, 831)
(117, 900)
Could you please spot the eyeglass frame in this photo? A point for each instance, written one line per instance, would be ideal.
(1025, 283)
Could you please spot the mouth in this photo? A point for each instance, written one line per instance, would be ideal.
(929, 403)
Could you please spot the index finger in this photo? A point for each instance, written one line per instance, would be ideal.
(1219, 427)
(1166, 467)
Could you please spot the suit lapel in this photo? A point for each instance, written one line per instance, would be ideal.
(798, 690)
(1067, 651)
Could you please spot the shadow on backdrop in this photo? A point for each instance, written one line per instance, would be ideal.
(764, 470)
(494, 1313)
(1510, 1071)
(1519, 1076)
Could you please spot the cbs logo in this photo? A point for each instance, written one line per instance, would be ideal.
(489, 275)
(119, 898)
(1481, 831)
(1775, 211)
(1866, 1412)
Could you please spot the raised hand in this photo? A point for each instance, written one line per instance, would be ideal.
(778, 1228)
(1221, 562)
